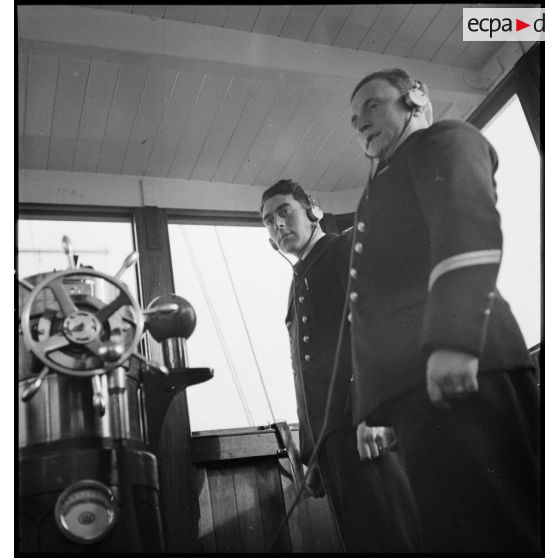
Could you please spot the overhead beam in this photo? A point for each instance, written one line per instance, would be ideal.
(123, 38)
(79, 188)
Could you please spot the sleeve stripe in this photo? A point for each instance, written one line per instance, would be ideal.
(479, 257)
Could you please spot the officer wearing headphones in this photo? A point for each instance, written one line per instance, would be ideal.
(437, 352)
(371, 498)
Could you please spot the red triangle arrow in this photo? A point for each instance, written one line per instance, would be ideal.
(519, 25)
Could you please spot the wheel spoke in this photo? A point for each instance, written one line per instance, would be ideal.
(54, 343)
(62, 297)
(107, 311)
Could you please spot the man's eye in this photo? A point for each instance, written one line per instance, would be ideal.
(372, 106)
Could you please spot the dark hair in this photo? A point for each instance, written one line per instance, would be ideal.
(400, 79)
(284, 187)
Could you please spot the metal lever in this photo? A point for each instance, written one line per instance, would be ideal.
(33, 388)
(69, 251)
(98, 402)
(167, 308)
(158, 367)
(130, 260)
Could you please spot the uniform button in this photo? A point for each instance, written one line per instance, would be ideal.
(353, 273)
(352, 378)
(289, 324)
(306, 339)
(358, 247)
(350, 317)
(301, 299)
(487, 312)
(490, 295)
(353, 296)
(361, 226)
(304, 319)
(307, 358)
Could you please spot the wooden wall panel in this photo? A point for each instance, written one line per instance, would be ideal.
(232, 107)
(288, 142)
(249, 125)
(68, 107)
(41, 90)
(271, 19)
(387, 23)
(178, 111)
(206, 529)
(153, 104)
(127, 98)
(199, 122)
(273, 126)
(96, 107)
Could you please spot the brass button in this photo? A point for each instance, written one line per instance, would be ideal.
(301, 299)
(307, 358)
(289, 324)
(353, 296)
(352, 378)
(487, 312)
(361, 226)
(359, 247)
(304, 319)
(353, 273)
(350, 317)
(306, 339)
(490, 295)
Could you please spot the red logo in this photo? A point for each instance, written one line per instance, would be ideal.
(519, 24)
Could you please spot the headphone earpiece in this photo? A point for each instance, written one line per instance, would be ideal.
(415, 98)
(314, 212)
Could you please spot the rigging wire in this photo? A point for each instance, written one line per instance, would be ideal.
(215, 320)
(223, 254)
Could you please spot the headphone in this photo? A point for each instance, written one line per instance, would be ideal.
(314, 214)
(415, 98)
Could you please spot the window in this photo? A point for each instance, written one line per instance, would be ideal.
(101, 244)
(239, 289)
(518, 189)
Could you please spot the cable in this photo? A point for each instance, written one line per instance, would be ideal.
(244, 323)
(215, 320)
(317, 445)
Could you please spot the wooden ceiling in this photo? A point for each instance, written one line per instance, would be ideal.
(241, 95)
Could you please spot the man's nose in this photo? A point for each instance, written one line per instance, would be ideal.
(278, 222)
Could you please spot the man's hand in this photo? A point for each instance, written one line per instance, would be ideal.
(450, 374)
(372, 440)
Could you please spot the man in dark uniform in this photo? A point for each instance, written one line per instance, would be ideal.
(371, 498)
(437, 352)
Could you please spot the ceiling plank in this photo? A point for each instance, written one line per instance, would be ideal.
(41, 90)
(340, 164)
(127, 8)
(150, 10)
(413, 27)
(181, 12)
(450, 50)
(218, 51)
(354, 30)
(68, 107)
(211, 94)
(23, 62)
(98, 98)
(125, 104)
(272, 128)
(288, 142)
(356, 177)
(152, 107)
(178, 110)
(477, 54)
(249, 125)
(242, 17)
(212, 15)
(222, 128)
(300, 22)
(329, 24)
(438, 31)
(387, 23)
(271, 19)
